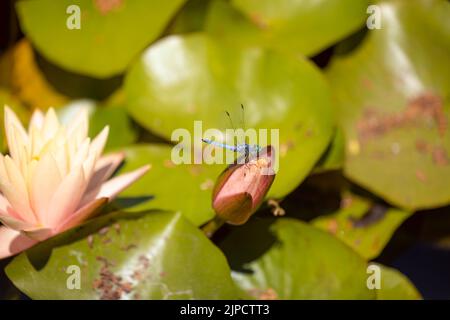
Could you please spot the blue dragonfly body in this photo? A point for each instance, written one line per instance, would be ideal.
(244, 149)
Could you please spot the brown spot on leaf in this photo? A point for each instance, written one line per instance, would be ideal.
(128, 247)
(440, 156)
(423, 108)
(90, 241)
(346, 202)
(258, 20)
(332, 226)
(103, 231)
(109, 285)
(117, 228)
(208, 184)
(106, 6)
(195, 169)
(169, 164)
(421, 175)
(285, 147)
(268, 294)
(422, 146)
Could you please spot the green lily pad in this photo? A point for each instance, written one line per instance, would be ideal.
(121, 133)
(362, 225)
(111, 32)
(393, 100)
(190, 18)
(301, 27)
(396, 286)
(121, 130)
(184, 188)
(303, 263)
(181, 79)
(333, 158)
(157, 255)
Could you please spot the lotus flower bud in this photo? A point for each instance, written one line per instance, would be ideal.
(241, 188)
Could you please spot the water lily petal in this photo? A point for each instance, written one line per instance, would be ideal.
(36, 121)
(13, 129)
(5, 206)
(66, 198)
(77, 131)
(111, 188)
(81, 154)
(104, 168)
(14, 223)
(82, 214)
(14, 189)
(39, 234)
(13, 242)
(99, 142)
(51, 124)
(44, 183)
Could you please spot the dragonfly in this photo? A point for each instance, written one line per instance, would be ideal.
(246, 150)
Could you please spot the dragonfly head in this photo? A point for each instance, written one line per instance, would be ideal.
(255, 149)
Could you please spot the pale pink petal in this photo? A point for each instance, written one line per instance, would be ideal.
(18, 145)
(51, 124)
(66, 198)
(104, 168)
(88, 166)
(14, 131)
(44, 183)
(13, 242)
(82, 214)
(39, 234)
(111, 188)
(79, 124)
(7, 210)
(37, 120)
(14, 223)
(14, 189)
(77, 130)
(99, 142)
(81, 153)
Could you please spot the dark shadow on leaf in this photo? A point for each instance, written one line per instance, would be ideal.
(318, 195)
(246, 243)
(76, 85)
(351, 43)
(127, 202)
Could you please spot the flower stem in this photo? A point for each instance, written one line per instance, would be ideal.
(212, 226)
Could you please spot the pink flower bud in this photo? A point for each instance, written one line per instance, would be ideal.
(241, 188)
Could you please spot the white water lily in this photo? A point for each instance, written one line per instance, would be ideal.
(54, 178)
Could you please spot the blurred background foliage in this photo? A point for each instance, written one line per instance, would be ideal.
(364, 144)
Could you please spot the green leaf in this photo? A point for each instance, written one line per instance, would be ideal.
(302, 263)
(278, 92)
(305, 27)
(121, 132)
(362, 225)
(111, 32)
(190, 18)
(396, 286)
(155, 255)
(333, 158)
(392, 94)
(184, 188)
